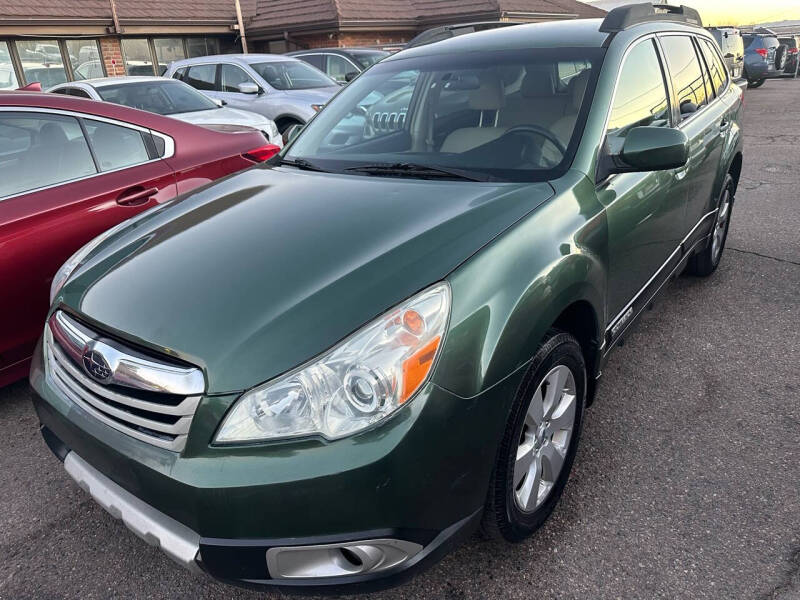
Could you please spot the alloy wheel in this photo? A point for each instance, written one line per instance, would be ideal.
(545, 438)
(721, 226)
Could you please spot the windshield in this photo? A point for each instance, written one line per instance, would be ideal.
(367, 59)
(292, 75)
(508, 115)
(167, 97)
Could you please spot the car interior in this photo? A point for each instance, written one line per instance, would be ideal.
(37, 152)
(508, 116)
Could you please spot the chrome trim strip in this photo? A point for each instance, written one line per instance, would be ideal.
(661, 268)
(186, 408)
(181, 427)
(323, 561)
(179, 542)
(135, 370)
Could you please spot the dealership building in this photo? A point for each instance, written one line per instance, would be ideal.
(80, 39)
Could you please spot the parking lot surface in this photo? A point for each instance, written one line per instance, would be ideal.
(686, 484)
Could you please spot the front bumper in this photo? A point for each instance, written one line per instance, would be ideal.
(243, 563)
(420, 478)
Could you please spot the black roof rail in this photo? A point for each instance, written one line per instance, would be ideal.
(444, 32)
(622, 17)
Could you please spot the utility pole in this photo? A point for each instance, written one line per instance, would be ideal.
(117, 28)
(241, 25)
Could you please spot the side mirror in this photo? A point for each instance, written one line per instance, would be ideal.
(652, 149)
(248, 87)
(291, 132)
(348, 77)
(218, 102)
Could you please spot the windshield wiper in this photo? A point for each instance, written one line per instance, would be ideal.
(415, 170)
(302, 163)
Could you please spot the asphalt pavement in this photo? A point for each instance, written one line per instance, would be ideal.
(686, 484)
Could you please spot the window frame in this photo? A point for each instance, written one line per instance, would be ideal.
(679, 118)
(169, 143)
(712, 47)
(667, 82)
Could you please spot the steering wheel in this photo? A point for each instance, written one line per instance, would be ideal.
(545, 133)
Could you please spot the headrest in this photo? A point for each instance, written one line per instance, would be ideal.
(489, 95)
(52, 134)
(578, 88)
(538, 81)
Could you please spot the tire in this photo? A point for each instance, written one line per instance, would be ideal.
(557, 365)
(755, 84)
(706, 261)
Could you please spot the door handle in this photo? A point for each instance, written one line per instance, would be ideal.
(135, 198)
(724, 125)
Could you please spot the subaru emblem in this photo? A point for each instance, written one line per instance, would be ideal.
(95, 364)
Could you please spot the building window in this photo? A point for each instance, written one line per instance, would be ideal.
(41, 61)
(139, 54)
(168, 50)
(84, 58)
(201, 46)
(8, 78)
(136, 56)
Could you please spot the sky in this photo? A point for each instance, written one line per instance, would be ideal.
(735, 12)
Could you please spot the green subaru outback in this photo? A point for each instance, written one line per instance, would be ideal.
(324, 372)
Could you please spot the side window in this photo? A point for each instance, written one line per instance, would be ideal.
(316, 60)
(202, 77)
(115, 146)
(62, 91)
(719, 77)
(339, 67)
(232, 76)
(641, 96)
(708, 87)
(180, 74)
(38, 150)
(79, 93)
(684, 69)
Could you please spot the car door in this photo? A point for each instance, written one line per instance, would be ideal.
(202, 78)
(701, 118)
(64, 179)
(230, 78)
(645, 211)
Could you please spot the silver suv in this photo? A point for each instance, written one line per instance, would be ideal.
(287, 90)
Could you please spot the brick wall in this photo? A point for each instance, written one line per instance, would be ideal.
(111, 51)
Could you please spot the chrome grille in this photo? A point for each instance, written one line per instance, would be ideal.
(150, 400)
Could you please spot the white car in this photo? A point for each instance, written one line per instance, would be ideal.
(168, 97)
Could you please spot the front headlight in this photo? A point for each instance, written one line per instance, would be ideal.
(74, 261)
(359, 382)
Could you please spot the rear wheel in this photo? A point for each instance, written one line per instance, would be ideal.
(705, 262)
(754, 83)
(541, 438)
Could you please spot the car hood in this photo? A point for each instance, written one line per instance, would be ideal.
(262, 271)
(222, 116)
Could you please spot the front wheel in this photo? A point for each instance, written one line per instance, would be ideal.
(540, 441)
(705, 262)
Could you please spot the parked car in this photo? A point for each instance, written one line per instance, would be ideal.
(331, 391)
(91, 69)
(732, 46)
(170, 98)
(764, 58)
(284, 89)
(340, 64)
(72, 168)
(792, 43)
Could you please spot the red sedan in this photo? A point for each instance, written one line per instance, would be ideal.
(72, 168)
